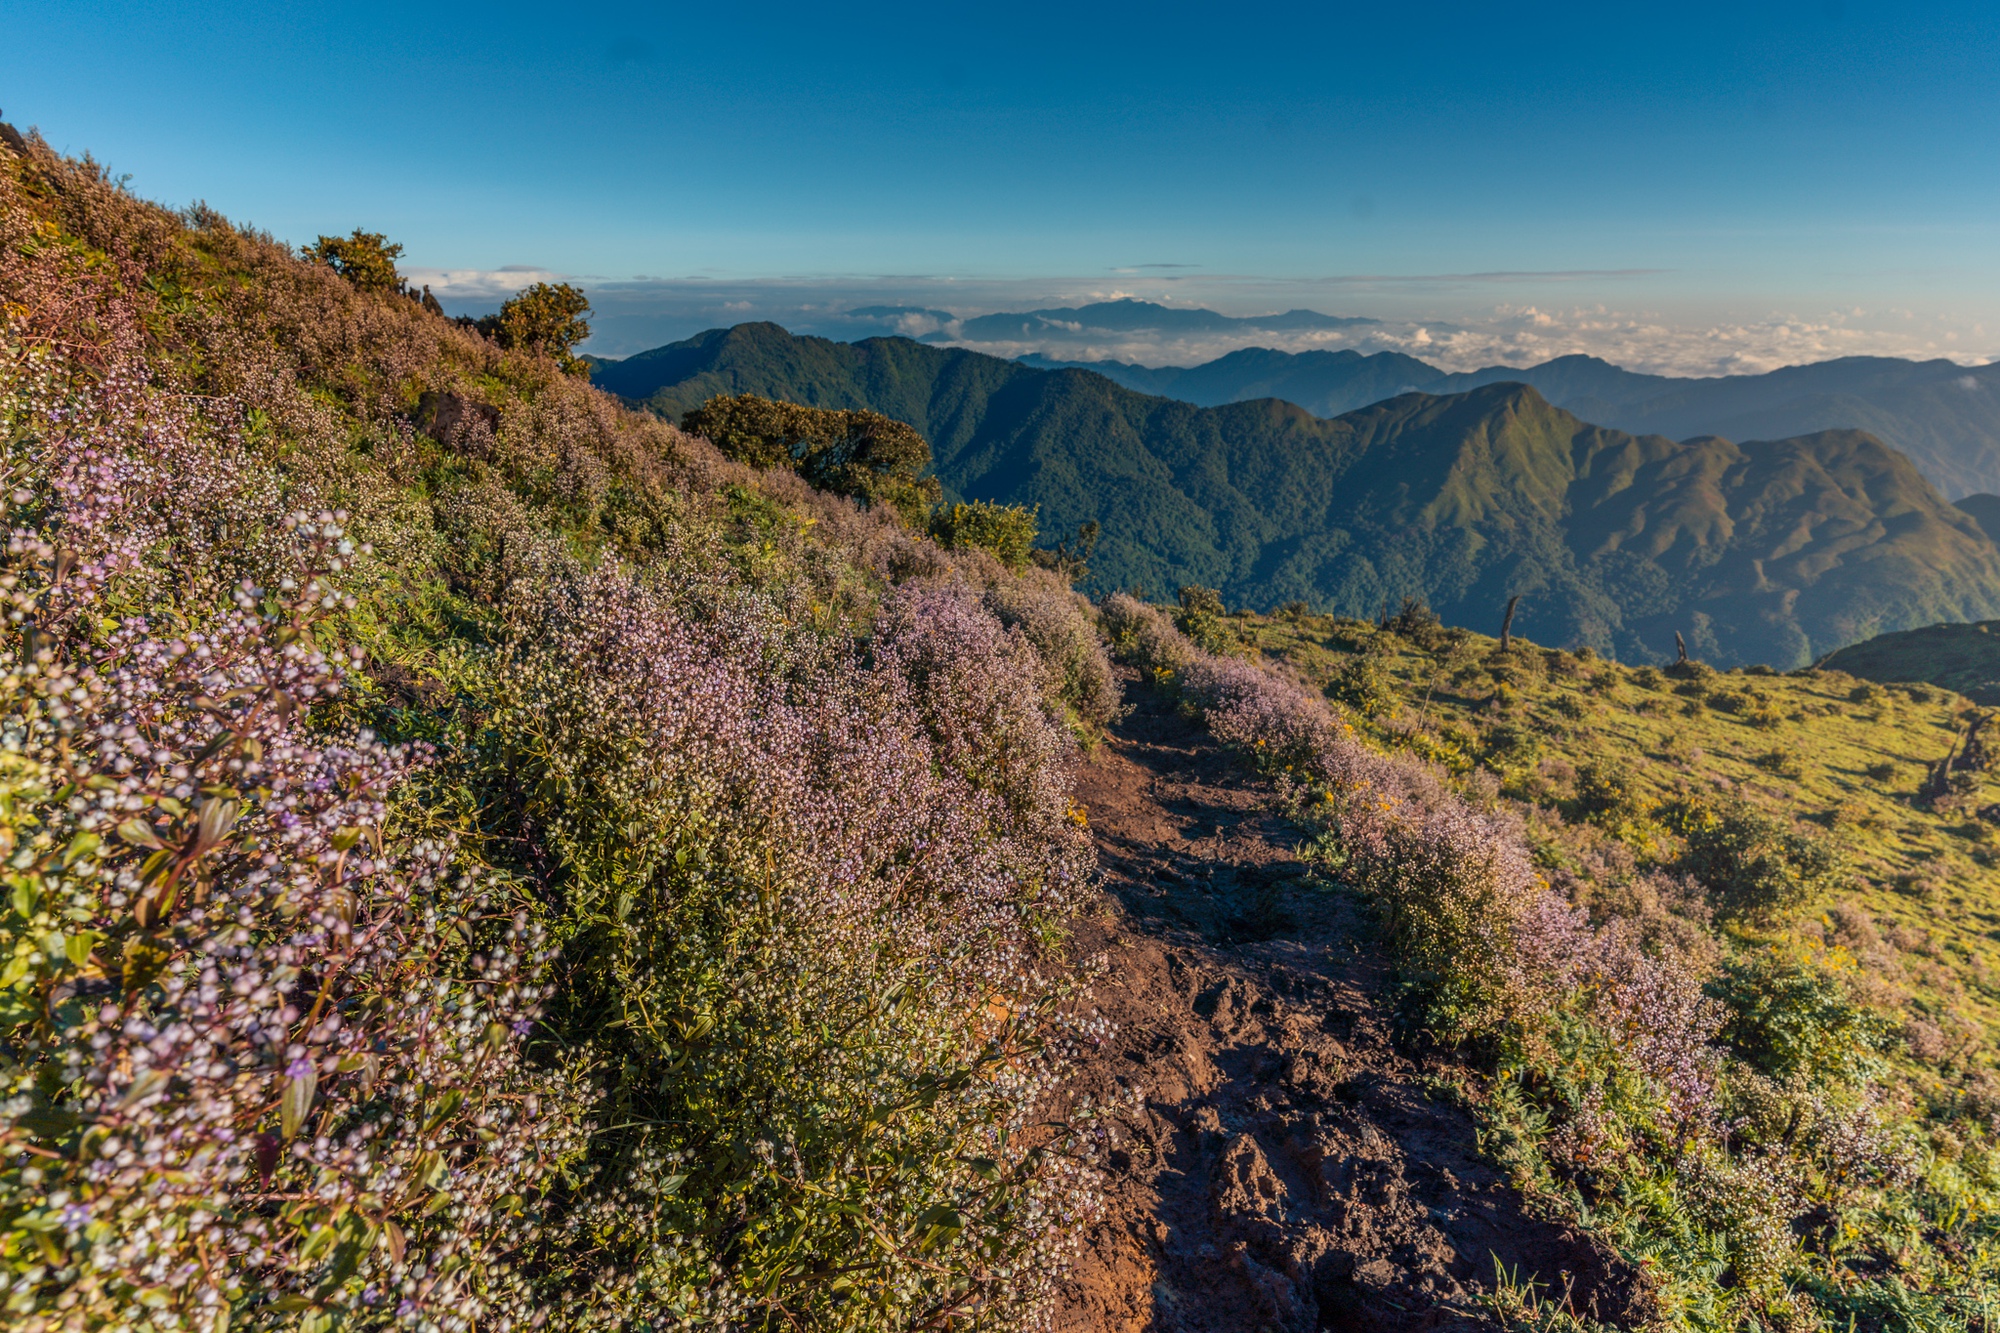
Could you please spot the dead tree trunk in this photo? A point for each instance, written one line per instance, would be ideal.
(1507, 622)
(1680, 647)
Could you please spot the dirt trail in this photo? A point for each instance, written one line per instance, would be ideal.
(1281, 1166)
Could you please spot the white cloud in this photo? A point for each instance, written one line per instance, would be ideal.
(1529, 335)
(475, 285)
(1439, 318)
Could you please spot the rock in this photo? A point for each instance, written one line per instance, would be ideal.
(451, 418)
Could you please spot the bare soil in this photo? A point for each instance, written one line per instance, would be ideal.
(1275, 1159)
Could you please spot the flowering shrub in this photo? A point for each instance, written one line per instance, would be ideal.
(259, 1035)
(1063, 631)
(461, 870)
(795, 899)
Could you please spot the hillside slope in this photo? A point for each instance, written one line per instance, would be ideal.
(1765, 551)
(1964, 658)
(478, 858)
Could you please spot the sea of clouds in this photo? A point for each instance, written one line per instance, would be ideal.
(1450, 321)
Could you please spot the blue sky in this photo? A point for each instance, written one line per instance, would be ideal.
(1807, 167)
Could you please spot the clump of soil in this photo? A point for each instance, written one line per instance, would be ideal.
(1275, 1160)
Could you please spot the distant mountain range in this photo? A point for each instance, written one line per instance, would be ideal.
(1126, 317)
(1774, 551)
(1945, 416)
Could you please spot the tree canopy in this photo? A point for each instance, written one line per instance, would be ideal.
(855, 452)
(367, 259)
(547, 317)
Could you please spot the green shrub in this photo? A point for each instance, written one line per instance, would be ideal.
(1008, 531)
(1752, 865)
(1416, 622)
(861, 454)
(547, 319)
(1364, 684)
(1605, 792)
(1511, 746)
(1201, 619)
(366, 259)
(1782, 760)
(1791, 1015)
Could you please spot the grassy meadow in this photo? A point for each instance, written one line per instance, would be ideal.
(1917, 902)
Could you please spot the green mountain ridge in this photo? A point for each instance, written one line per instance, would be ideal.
(1944, 416)
(1767, 551)
(1963, 658)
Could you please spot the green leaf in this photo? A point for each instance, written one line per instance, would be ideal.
(346, 839)
(319, 1242)
(447, 1105)
(148, 1082)
(82, 845)
(218, 816)
(140, 834)
(297, 1100)
(77, 950)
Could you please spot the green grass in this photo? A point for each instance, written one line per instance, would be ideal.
(1839, 757)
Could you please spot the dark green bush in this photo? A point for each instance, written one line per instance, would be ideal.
(1201, 619)
(1363, 684)
(1753, 866)
(861, 454)
(1791, 1015)
(1510, 746)
(1416, 622)
(1008, 531)
(1605, 792)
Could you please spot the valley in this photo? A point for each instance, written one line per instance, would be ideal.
(1773, 551)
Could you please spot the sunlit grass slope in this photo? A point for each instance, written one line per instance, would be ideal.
(1843, 757)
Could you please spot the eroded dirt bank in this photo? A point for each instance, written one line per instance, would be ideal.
(1281, 1166)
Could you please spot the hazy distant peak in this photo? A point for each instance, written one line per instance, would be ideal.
(1129, 315)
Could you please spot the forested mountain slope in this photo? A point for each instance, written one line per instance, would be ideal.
(1769, 551)
(1945, 416)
